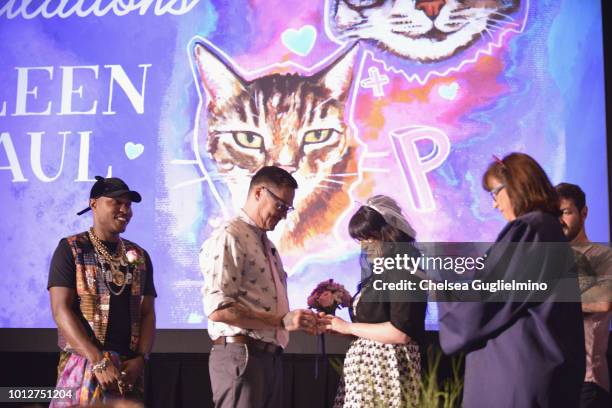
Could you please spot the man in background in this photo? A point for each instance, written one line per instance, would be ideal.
(595, 275)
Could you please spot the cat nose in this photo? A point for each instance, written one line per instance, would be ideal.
(430, 7)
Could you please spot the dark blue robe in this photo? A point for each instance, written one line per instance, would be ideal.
(524, 353)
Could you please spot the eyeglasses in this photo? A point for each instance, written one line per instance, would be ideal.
(280, 204)
(496, 191)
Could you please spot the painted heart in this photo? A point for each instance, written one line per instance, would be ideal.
(133, 150)
(300, 41)
(449, 92)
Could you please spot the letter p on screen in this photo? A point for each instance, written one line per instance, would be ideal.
(408, 146)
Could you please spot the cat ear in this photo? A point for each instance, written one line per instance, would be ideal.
(338, 76)
(219, 80)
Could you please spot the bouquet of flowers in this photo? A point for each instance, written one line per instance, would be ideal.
(329, 296)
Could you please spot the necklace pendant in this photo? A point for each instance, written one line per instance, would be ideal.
(118, 278)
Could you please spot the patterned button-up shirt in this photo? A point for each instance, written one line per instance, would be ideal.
(597, 325)
(236, 269)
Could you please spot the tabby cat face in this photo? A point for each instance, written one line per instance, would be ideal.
(422, 30)
(291, 121)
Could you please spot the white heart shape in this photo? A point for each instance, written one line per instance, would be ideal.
(449, 92)
(133, 150)
(300, 41)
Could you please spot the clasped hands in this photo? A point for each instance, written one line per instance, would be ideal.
(313, 323)
(121, 379)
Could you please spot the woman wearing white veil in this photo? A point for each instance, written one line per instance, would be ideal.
(382, 365)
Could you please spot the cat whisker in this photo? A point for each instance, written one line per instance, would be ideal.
(376, 154)
(489, 32)
(360, 26)
(323, 187)
(351, 35)
(460, 8)
(374, 170)
(358, 23)
(322, 103)
(189, 183)
(458, 19)
(231, 176)
(493, 29)
(503, 15)
(327, 180)
(502, 23)
(499, 24)
(226, 178)
(343, 174)
(348, 36)
(483, 15)
(466, 16)
(404, 25)
(182, 162)
(312, 177)
(488, 23)
(502, 19)
(400, 20)
(495, 24)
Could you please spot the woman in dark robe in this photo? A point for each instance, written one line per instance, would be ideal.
(525, 350)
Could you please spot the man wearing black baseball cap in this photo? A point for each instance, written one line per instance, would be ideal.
(110, 187)
(102, 299)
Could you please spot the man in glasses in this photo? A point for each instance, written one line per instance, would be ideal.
(245, 298)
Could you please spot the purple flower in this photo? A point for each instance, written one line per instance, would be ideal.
(328, 296)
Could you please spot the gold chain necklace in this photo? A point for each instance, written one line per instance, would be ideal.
(119, 259)
(114, 261)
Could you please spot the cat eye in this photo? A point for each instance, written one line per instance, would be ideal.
(318, 136)
(250, 140)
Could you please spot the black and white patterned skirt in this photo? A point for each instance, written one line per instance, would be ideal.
(379, 375)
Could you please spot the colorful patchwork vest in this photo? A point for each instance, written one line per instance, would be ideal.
(93, 294)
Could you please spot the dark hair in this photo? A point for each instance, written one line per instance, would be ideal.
(572, 192)
(367, 223)
(526, 183)
(273, 175)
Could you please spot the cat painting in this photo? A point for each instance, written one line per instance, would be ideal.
(420, 30)
(291, 120)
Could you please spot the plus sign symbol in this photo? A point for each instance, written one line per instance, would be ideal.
(376, 82)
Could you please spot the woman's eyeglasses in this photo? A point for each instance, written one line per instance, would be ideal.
(494, 192)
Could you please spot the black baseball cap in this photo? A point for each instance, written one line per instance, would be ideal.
(111, 187)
